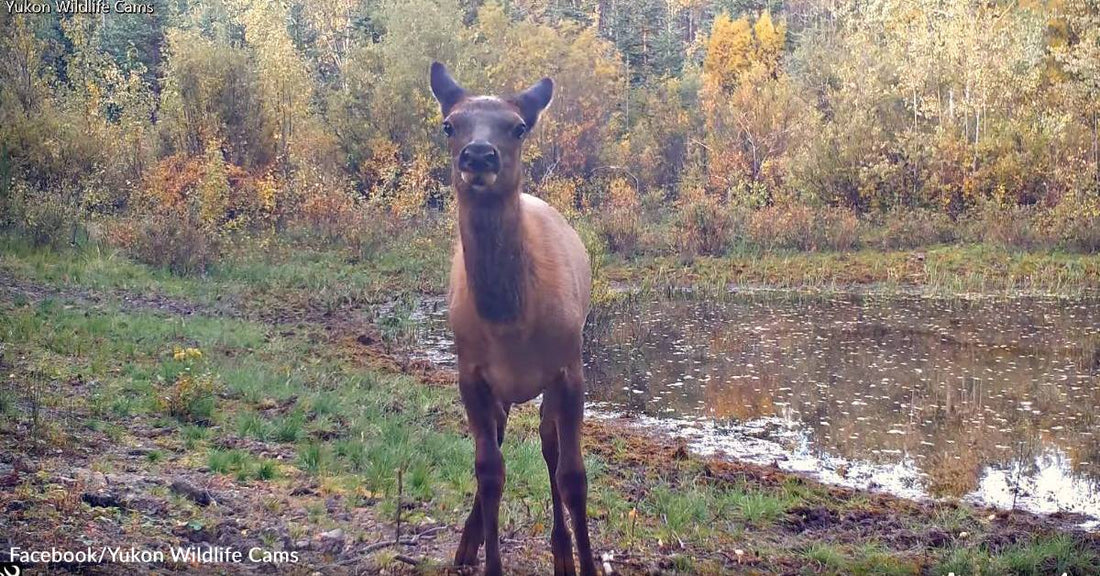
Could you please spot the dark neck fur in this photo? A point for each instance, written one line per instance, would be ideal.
(495, 258)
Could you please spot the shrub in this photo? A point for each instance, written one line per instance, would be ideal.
(174, 239)
(190, 398)
(620, 229)
(1010, 226)
(331, 214)
(1075, 223)
(561, 193)
(800, 227)
(619, 224)
(703, 226)
(43, 218)
(910, 228)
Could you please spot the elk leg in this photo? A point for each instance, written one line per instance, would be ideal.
(572, 480)
(485, 415)
(473, 534)
(560, 542)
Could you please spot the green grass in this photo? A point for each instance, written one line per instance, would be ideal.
(1046, 555)
(938, 270)
(868, 559)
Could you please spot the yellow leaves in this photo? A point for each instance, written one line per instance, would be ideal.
(561, 193)
(213, 190)
(769, 41)
(415, 186)
(737, 47)
(622, 195)
(729, 51)
(181, 354)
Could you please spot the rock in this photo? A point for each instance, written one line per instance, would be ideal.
(16, 506)
(332, 541)
(184, 488)
(302, 490)
(301, 545)
(91, 480)
(937, 538)
(147, 505)
(102, 500)
(130, 481)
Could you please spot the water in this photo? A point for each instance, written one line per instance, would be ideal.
(992, 401)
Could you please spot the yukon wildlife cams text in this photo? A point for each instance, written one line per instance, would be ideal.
(79, 7)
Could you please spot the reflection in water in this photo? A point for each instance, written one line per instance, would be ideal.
(992, 400)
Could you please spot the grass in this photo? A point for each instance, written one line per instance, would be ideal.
(944, 270)
(353, 428)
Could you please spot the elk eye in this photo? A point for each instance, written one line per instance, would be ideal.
(448, 129)
(519, 131)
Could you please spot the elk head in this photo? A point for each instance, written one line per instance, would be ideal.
(485, 134)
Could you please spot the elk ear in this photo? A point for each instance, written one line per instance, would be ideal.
(532, 101)
(445, 89)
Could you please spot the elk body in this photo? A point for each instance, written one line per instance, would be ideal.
(519, 294)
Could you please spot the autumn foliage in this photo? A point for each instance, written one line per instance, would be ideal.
(683, 126)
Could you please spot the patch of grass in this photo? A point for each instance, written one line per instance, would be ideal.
(266, 470)
(315, 457)
(288, 428)
(241, 464)
(193, 435)
(226, 461)
(823, 555)
(1055, 554)
(756, 508)
(861, 560)
(681, 512)
(252, 425)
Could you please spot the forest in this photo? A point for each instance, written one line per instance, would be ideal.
(680, 127)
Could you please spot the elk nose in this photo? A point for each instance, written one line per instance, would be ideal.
(479, 156)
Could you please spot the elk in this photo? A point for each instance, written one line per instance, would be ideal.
(519, 294)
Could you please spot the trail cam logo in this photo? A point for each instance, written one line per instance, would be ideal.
(10, 569)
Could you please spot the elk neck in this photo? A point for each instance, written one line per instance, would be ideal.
(496, 260)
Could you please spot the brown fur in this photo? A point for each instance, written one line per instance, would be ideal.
(519, 295)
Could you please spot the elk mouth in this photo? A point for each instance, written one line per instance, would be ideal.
(478, 180)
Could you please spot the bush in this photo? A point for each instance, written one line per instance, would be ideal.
(1075, 223)
(911, 228)
(190, 398)
(703, 226)
(175, 240)
(1009, 226)
(43, 218)
(799, 227)
(620, 229)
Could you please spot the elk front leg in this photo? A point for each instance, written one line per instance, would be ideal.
(561, 544)
(486, 416)
(473, 534)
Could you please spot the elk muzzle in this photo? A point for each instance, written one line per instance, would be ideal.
(479, 163)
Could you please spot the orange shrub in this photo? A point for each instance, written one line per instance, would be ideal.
(800, 227)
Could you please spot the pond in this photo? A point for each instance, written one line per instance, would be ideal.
(995, 401)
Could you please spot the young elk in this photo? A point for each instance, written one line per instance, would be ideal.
(519, 295)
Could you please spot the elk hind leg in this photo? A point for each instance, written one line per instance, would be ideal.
(571, 475)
